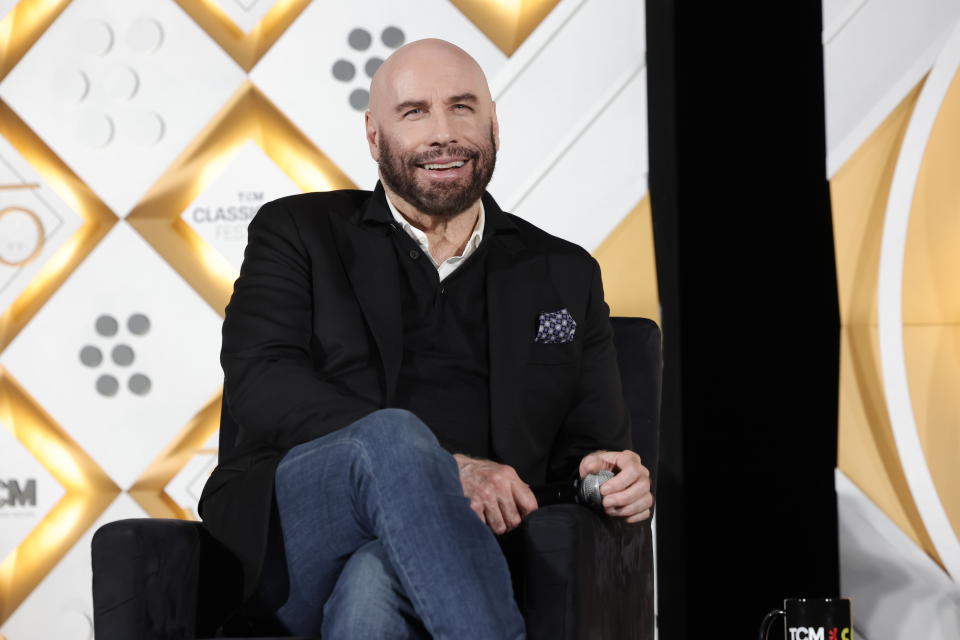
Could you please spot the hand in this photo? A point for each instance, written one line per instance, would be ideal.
(627, 494)
(497, 494)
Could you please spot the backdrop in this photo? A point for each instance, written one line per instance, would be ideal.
(893, 154)
(138, 138)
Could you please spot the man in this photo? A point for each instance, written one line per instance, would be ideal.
(372, 335)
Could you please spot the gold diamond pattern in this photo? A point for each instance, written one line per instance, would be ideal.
(508, 23)
(248, 115)
(89, 491)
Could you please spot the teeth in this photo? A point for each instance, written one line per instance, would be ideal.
(449, 165)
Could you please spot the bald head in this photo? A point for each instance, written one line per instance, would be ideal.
(432, 128)
(423, 64)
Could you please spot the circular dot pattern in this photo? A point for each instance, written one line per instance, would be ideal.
(360, 39)
(91, 356)
(139, 384)
(138, 324)
(344, 70)
(359, 99)
(106, 326)
(107, 385)
(392, 37)
(372, 65)
(121, 355)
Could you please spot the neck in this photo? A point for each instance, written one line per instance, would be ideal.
(447, 235)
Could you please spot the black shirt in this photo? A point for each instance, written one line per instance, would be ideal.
(444, 375)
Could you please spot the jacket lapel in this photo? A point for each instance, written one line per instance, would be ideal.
(368, 256)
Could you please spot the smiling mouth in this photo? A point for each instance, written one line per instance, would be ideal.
(445, 166)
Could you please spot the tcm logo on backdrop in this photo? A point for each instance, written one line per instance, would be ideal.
(15, 494)
(227, 214)
(819, 633)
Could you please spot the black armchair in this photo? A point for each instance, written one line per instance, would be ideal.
(576, 574)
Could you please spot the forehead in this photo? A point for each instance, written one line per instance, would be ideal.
(436, 80)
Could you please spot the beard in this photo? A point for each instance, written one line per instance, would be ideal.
(443, 198)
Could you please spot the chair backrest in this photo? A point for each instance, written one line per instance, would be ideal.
(640, 356)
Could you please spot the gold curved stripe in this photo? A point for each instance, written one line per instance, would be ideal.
(628, 264)
(931, 304)
(867, 451)
(89, 491)
(248, 115)
(78, 196)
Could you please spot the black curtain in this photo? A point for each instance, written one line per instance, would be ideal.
(744, 242)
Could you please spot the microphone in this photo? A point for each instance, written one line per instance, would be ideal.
(584, 491)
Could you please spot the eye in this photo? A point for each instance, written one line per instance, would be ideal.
(457, 107)
(413, 111)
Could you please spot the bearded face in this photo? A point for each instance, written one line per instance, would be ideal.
(442, 181)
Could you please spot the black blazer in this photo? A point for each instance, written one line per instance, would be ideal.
(318, 291)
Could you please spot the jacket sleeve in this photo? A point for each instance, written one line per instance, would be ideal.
(598, 418)
(271, 387)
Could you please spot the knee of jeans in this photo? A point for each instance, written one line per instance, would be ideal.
(393, 428)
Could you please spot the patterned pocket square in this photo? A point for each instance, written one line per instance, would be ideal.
(556, 327)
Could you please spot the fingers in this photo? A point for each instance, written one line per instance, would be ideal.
(523, 496)
(477, 507)
(634, 501)
(497, 494)
(508, 509)
(593, 462)
(625, 479)
(494, 518)
(633, 493)
(640, 517)
(626, 494)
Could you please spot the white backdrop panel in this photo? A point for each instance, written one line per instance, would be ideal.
(875, 58)
(34, 223)
(61, 607)
(122, 356)
(118, 88)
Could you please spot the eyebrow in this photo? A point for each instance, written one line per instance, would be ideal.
(421, 104)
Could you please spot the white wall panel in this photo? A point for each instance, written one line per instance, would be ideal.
(598, 174)
(562, 89)
(61, 607)
(122, 387)
(117, 89)
(873, 61)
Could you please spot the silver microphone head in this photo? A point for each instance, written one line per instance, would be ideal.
(590, 489)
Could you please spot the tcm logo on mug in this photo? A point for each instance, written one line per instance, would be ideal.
(819, 633)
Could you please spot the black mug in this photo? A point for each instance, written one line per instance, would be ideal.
(812, 619)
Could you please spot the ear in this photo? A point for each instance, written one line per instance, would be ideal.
(373, 140)
(496, 128)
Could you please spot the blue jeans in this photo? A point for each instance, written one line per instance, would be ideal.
(381, 542)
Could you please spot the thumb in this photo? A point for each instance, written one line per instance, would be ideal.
(597, 461)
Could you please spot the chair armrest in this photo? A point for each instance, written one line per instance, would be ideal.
(580, 574)
(145, 579)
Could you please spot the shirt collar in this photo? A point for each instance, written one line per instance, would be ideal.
(421, 238)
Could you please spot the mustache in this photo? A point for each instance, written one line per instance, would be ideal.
(462, 153)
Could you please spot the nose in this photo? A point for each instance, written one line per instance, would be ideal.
(442, 132)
